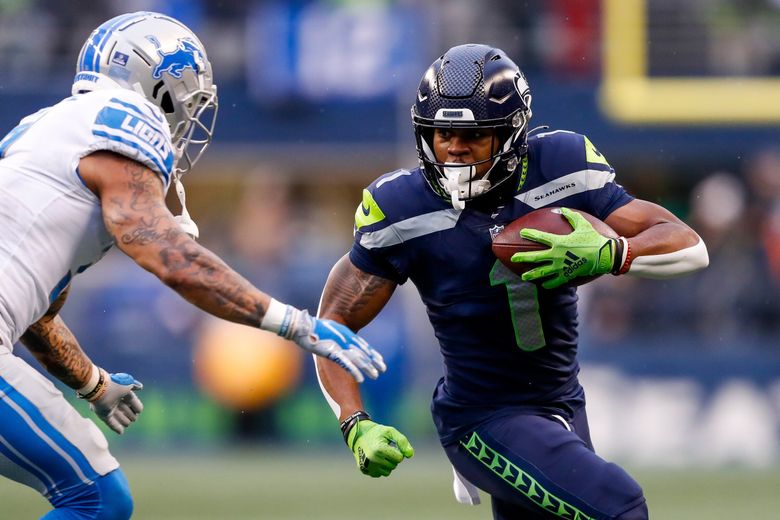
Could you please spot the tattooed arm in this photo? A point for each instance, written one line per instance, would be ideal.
(134, 212)
(354, 298)
(56, 348)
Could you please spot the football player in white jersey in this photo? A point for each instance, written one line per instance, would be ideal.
(77, 178)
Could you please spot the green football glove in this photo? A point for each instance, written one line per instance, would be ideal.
(378, 449)
(583, 252)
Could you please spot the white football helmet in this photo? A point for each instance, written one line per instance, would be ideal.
(161, 59)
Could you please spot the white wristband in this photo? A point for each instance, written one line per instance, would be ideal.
(94, 379)
(669, 265)
(279, 318)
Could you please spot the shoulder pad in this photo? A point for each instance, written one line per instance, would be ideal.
(387, 191)
(133, 127)
(574, 145)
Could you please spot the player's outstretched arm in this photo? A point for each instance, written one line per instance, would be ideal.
(134, 212)
(111, 396)
(353, 298)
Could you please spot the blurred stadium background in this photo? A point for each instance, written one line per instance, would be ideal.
(683, 376)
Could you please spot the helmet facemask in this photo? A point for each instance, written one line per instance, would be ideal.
(194, 133)
(190, 139)
(458, 181)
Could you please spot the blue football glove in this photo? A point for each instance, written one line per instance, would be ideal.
(583, 252)
(336, 342)
(115, 402)
(378, 449)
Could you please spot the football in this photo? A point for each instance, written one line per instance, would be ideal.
(509, 241)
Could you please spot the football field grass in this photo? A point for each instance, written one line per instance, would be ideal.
(315, 483)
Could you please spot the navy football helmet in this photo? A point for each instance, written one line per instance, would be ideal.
(472, 86)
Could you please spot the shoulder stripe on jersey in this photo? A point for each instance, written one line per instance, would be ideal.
(410, 228)
(125, 126)
(141, 113)
(126, 140)
(552, 132)
(392, 177)
(155, 123)
(555, 190)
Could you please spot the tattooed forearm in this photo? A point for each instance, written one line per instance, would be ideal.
(56, 348)
(142, 226)
(353, 296)
(203, 279)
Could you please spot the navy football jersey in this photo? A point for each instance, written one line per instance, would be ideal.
(505, 342)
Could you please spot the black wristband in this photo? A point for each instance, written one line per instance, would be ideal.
(617, 259)
(98, 387)
(349, 422)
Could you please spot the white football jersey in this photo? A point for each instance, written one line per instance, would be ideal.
(52, 224)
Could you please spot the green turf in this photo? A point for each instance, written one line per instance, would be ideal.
(312, 484)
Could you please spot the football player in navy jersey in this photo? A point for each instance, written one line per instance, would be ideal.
(510, 411)
(76, 179)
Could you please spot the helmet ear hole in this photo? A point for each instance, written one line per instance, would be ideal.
(166, 103)
(164, 100)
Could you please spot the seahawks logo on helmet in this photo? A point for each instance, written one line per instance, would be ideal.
(521, 84)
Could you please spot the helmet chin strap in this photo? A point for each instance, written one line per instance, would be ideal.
(184, 220)
(460, 184)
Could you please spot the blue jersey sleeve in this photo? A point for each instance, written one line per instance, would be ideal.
(373, 250)
(374, 262)
(384, 223)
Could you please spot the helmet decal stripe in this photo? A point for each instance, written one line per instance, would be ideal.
(88, 53)
(118, 21)
(90, 57)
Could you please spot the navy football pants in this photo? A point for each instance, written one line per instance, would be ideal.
(540, 467)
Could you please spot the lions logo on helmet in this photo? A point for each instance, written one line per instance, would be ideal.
(185, 55)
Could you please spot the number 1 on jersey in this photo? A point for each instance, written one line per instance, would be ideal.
(523, 306)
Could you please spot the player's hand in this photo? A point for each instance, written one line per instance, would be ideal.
(336, 342)
(378, 449)
(583, 252)
(117, 405)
